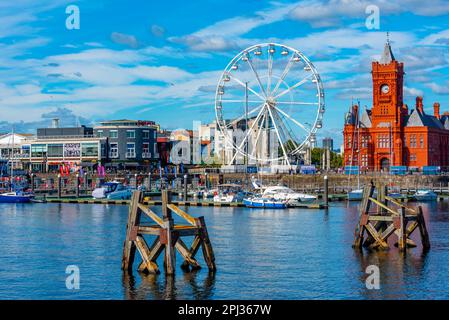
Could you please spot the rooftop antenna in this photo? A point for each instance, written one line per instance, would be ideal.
(388, 37)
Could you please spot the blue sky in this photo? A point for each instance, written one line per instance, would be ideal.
(161, 60)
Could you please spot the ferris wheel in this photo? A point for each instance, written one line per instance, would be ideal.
(275, 96)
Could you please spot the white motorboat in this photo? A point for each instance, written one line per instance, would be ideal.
(112, 190)
(355, 195)
(425, 195)
(260, 202)
(227, 193)
(282, 193)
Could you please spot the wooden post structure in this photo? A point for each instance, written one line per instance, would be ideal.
(326, 191)
(149, 182)
(390, 218)
(168, 237)
(32, 182)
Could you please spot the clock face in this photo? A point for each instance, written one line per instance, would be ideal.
(385, 88)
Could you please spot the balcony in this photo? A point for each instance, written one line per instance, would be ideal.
(130, 155)
(113, 155)
(146, 155)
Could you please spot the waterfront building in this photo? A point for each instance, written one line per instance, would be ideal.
(130, 143)
(71, 146)
(389, 134)
(13, 147)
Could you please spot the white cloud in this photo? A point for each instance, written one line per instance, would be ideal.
(125, 39)
(321, 13)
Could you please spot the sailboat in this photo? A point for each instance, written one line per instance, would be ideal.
(15, 195)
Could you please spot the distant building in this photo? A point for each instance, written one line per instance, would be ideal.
(65, 146)
(328, 143)
(14, 147)
(130, 143)
(389, 134)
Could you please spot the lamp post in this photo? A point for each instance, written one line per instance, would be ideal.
(77, 184)
(59, 185)
(185, 187)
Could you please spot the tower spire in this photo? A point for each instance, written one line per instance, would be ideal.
(387, 55)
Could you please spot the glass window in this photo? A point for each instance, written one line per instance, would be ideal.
(100, 133)
(113, 134)
(130, 134)
(89, 150)
(113, 150)
(130, 150)
(55, 150)
(38, 150)
(146, 134)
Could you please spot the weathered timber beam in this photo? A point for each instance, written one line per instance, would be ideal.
(182, 214)
(193, 250)
(142, 246)
(185, 252)
(380, 218)
(151, 214)
(379, 241)
(380, 204)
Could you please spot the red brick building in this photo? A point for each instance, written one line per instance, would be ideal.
(389, 134)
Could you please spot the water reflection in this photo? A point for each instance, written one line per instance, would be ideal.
(165, 287)
(397, 271)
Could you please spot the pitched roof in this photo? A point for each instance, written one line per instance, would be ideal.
(418, 119)
(365, 119)
(387, 55)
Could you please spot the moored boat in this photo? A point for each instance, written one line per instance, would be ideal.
(113, 191)
(16, 197)
(259, 202)
(425, 195)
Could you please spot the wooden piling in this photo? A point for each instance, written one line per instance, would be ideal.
(168, 237)
(386, 221)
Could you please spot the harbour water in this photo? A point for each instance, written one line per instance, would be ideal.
(260, 254)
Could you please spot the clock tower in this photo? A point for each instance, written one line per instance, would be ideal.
(388, 112)
(388, 81)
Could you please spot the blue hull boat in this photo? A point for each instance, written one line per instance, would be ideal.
(12, 197)
(264, 203)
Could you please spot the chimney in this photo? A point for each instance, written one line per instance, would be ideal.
(419, 105)
(436, 110)
(55, 123)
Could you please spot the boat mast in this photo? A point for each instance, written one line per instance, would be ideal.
(11, 176)
(358, 145)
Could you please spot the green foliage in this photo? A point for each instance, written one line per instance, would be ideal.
(336, 159)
